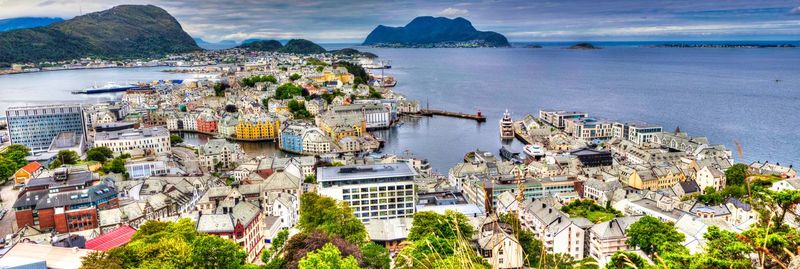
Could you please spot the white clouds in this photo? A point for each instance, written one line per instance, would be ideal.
(795, 11)
(453, 12)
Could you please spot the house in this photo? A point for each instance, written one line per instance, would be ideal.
(710, 176)
(606, 238)
(786, 184)
(31, 170)
(558, 232)
(389, 232)
(497, 244)
(220, 154)
(242, 222)
(776, 169)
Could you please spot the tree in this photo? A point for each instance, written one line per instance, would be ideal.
(451, 225)
(287, 91)
(117, 166)
(710, 196)
(626, 260)
(375, 256)
(215, 252)
(723, 250)
(310, 179)
(329, 216)
(68, 157)
(99, 154)
(175, 139)
(297, 247)
(219, 89)
(17, 153)
(295, 76)
(649, 232)
(735, 175)
(279, 240)
(231, 108)
(328, 257)
(101, 260)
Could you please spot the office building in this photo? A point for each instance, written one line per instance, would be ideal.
(151, 141)
(37, 126)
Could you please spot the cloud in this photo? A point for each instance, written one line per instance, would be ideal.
(795, 11)
(453, 12)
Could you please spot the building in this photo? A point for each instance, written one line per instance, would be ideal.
(377, 191)
(66, 202)
(497, 244)
(339, 126)
(241, 222)
(258, 128)
(651, 177)
(30, 170)
(207, 123)
(219, 153)
(636, 132)
(151, 141)
(145, 169)
(40, 256)
(36, 126)
(606, 238)
(593, 157)
(710, 176)
(558, 232)
(589, 128)
(488, 190)
(776, 169)
(559, 118)
(374, 114)
(315, 142)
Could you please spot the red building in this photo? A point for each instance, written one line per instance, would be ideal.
(66, 202)
(242, 223)
(207, 123)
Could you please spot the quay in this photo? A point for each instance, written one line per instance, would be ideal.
(520, 134)
(435, 112)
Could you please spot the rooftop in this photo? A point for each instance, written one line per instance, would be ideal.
(130, 134)
(351, 172)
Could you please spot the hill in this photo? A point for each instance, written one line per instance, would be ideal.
(223, 44)
(301, 46)
(126, 31)
(583, 46)
(26, 22)
(435, 32)
(262, 45)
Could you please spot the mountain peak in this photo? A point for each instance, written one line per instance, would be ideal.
(429, 30)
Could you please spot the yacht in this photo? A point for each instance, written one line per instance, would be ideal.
(506, 126)
(534, 151)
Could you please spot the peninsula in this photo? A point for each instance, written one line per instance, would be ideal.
(434, 32)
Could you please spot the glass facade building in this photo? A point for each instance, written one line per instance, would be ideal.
(36, 126)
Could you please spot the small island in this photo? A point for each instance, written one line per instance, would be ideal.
(724, 46)
(434, 32)
(297, 46)
(533, 46)
(583, 46)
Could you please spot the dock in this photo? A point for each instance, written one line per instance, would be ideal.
(435, 112)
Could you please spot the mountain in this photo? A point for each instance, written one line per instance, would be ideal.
(301, 46)
(26, 22)
(262, 45)
(126, 31)
(354, 53)
(435, 31)
(224, 44)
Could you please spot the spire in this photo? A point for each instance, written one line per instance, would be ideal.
(677, 130)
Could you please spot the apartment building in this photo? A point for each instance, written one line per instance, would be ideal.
(559, 118)
(152, 141)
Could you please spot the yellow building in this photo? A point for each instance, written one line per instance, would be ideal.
(651, 178)
(330, 74)
(258, 128)
(341, 126)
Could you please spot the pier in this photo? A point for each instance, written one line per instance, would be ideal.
(435, 112)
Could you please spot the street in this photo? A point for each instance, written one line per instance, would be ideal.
(9, 195)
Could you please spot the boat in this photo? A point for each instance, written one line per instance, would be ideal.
(533, 151)
(506, 126)
(109, 87)
(509, 154)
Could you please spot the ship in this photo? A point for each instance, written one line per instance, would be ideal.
(506, 126)
(109, 87)
(509, 154)
(533, 151)
(370, 64)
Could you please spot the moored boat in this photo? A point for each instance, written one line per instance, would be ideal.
(506, 126)
(533, 151)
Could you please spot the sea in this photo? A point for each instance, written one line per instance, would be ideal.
(749, 96)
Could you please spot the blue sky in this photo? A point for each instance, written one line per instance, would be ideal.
(351, 21)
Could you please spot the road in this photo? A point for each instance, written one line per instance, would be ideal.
(187, 159)
(9, 222)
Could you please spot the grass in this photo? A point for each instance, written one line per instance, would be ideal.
(590, 210)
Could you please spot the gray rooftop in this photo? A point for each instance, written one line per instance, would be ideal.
(353, 172)
(132, 134)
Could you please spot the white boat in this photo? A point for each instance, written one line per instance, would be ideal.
(533, 151)
(506, 126)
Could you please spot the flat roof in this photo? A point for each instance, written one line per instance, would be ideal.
(354, 172)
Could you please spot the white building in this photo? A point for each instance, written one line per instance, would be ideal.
(220, 153)
(710, 177)
(376, 115)
(146, 169)
(152, 141)
(606, 238)
(377, 191)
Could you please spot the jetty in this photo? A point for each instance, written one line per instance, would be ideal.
(436, 112)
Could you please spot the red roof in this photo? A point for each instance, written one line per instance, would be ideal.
(32, 167)
(115, 238)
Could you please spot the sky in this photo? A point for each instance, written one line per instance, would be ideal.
(531, 20)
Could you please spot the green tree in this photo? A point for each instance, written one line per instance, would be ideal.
(288, 91)
(626, 260)
(175, 139)
(310, 179)
(17, 153)
(295, 76)
(331, 217)
(451, 225)
(375, 256)
(219, 89)
(735, 175)
(649, 232)
(99, 154)
(117, 166)
(710, 196)
(723, 250)
(215, 252)
(68, 157)
(279, 240)
(330, 257)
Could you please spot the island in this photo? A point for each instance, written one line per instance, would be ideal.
(533, 46)
(724, 46)
(126, 31)
(262, 45)
(434, 32)
(583, 46)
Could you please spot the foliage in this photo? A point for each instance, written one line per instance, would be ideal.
(531, 246)
(375, 256)
(12, 158)
(626, 260)
(99, 154)
(710, 196)
(328, 257)
(298, 109)
(649, 232)
(252, 80)
(328, 97)
(735, 175)
(315, 61)
(723, 250)
(262, 45)
(590, 210)
(451, 225)
(65, 157)
(288, 91)
(170, 245)
(279, 240)
(301, 46)
(219, 89)
(374, 94)
(175, 139)
(357, 70)
(301, 244)
(310, 179)
(117, 165)
(295, 76)
(331, 217)
(231, 108)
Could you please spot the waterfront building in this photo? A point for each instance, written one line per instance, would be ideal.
(408, 106)
(559, 118)
(36, 126)
(316, 142)
(636, 132)
(207, 123)
(219, 153)
(592, 157)
(339, 126)
(374, 114)
(589, 128)
(67, 201)
(697, 147)
(377, 191)
(152, 141)
(333, 74)
(258, 127)
(291, 138)
(227, 126)
(777, 169)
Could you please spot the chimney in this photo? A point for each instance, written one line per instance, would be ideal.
(559, 219)
(550, 210)
(611, 224)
